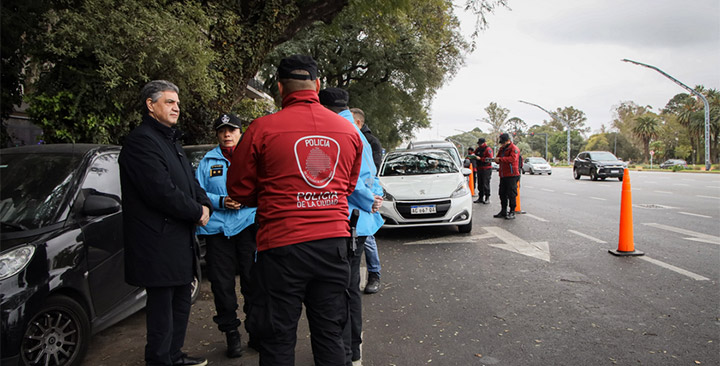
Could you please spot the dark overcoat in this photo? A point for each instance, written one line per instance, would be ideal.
(162, 201)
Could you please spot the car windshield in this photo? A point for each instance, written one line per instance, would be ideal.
(418, 163)
(537, 161)
(33, 187)
(603, 156)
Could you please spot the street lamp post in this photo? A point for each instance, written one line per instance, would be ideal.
(555, 116)
(693, 91)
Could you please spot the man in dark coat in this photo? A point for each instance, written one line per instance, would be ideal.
(162, 203)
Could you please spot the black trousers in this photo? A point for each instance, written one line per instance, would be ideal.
(167, 312)
(508, 193)
(225, 258)
(484, 182)
(315, 273)
(353, 329)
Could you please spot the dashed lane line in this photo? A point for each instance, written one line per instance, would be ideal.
(693, 214)
(570, 194)
(715, 198)
(598, 198)
(535, 217)
(694, 236)
(679, 270)
(588, 237)
(665, 192)
(547, 190)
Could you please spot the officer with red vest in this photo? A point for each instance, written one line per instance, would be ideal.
(507, 158)
(484, 167)
(298, 166)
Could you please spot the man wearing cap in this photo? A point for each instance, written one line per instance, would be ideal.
(367, 199)
(229, 235)
(507, 159)
(483, 153)
(298, 166)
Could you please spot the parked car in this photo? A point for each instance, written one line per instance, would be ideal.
(425, 188)
(449, 147)
(598, 164)
(195, 153)
(62, 253)
(667, 164)
(536, 165)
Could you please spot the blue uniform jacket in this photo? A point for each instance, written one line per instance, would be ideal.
(212, 175)
(368, 185)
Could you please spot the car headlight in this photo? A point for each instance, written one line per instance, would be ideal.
(461, 190)
(15, 260)
(387, 196)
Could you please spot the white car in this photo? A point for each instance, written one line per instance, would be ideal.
(535, 165)
(425, 188)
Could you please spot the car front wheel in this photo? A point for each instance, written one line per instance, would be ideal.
(465, 228)
(593, 174)
(57, 335)
(576, 174)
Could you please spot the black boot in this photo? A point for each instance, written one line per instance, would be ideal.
(487, 200)
(510, 216)
(234, 344)
(500, 214)
(373, 283)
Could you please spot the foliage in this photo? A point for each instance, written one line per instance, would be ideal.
(646, 128)
(598, 142)
(391, 62)
(557, 144)
(496, 118)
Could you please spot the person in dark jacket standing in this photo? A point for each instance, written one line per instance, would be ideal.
(507, 158)
(162, 203)
(298, 166)
(483, 153)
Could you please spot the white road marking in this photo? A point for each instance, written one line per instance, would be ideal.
(666, 192)
(705, 238)
(547, 190)
(536, 218)
(598, 198)
(570, 194)
(692, 214)
(528, 186)
(588, 237)
(452, 239)
(681, 184)
(713, 187)
(679, 270)
(715, 198)
(539, 250)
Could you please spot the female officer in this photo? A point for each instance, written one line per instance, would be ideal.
(229, 235)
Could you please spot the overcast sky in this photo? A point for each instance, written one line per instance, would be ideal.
(559, 53)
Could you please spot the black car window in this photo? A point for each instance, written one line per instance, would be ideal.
(603, 156)
(104, 175)
(33, 188)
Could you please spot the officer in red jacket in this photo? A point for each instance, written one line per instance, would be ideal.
(484, 167)
(507, 159)
(298, 166)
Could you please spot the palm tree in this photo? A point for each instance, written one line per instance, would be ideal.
(646, 128)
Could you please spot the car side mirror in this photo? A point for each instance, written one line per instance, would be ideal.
(97, 205)
(466, 172)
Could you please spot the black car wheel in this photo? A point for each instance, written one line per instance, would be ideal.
(576, 174)
(57, 335)
(194, 289)
(465, 228)
(593, 174)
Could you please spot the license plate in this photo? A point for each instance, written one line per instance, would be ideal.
(614, 171)
(419, 210)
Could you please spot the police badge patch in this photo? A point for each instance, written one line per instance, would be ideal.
(216, 171)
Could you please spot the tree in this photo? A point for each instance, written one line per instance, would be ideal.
(598, 142)
(496, 118)
(646, 128)
(391, 62)
(516, 124)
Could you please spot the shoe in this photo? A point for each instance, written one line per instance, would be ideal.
(478, 201)
(487, 200)
(500, 215)
(373, 284)
(234, 344)
(510, 216)
(186, 360)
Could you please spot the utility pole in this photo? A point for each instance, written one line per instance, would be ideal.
(693, 91)
(555, 116)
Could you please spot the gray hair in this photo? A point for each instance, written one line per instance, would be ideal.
(154, 89)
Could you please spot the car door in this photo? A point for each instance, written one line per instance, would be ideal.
(103, 238)
(585, 163)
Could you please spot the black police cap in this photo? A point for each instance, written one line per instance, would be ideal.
(297, 62)
(227, 120)
(334, 97)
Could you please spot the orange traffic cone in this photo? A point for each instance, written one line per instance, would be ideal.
(472, 184)
(626, 245)
(517, 200)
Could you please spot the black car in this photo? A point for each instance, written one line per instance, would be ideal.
(61, 254)
(598, 164)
